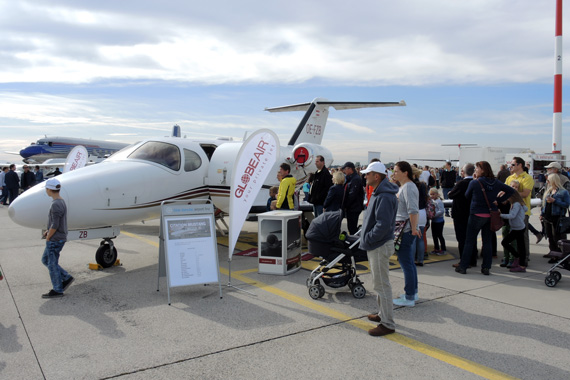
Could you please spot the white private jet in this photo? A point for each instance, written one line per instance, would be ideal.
(131, 184)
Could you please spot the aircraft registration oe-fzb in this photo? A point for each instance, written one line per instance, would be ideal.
(131, 184)
(59, 147)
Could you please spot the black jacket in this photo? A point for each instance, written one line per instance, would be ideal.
(353, 194)
(461, 204)
(28, 180)
(11, 179)
(322, 181)
(448, 178)
(334, 198)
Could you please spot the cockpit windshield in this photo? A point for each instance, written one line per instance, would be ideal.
(162, 153)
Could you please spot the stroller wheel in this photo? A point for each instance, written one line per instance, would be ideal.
(310, 280)
(358, 291)
(316, 291)
(557, 275)
(550, 280)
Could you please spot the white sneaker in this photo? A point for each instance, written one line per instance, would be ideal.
(403, 302)
(416, 297)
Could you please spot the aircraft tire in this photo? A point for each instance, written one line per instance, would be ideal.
(105, 256)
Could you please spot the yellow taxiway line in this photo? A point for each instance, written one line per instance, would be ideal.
(454, 360)
(446, 357)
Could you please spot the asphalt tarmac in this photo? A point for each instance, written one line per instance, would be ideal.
(114, 324)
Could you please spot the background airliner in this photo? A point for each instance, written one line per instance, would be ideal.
(59, 147)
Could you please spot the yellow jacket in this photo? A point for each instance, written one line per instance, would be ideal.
(286, 189)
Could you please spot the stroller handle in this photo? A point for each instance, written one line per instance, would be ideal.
(357, 241)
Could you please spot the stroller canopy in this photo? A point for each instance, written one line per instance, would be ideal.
(325, 228)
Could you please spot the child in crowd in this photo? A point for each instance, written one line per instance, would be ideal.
(307, 187)
(517, 227)
(272, 197)
(505, 208)
(437, 223)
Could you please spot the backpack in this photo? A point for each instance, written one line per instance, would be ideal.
(430, 209)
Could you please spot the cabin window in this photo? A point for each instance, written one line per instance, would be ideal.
(161, 153)
(192, 160)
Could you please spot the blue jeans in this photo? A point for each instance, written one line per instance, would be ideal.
(420, 247)
(318, 210)
(50, 259)
(406, 255)
(4, 196)
(474, 225)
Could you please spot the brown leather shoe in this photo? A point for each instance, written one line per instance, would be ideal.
(380, 330)
(374, 318)
(457, 264)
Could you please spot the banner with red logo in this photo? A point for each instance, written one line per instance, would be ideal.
(76, 159)
(253, 164)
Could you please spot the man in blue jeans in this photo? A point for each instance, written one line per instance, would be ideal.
(56, 236)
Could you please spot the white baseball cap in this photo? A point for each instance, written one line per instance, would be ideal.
(376, 167)
(53, 184)
(555, 165)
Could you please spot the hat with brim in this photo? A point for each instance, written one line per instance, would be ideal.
(554, 165)
(376, 167)
(53, 184)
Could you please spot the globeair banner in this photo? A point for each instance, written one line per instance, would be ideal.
(76, 159)
(254, 162)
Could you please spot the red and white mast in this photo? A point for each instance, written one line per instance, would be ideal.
(557, 118)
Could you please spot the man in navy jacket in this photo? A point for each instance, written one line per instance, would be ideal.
(378, 239)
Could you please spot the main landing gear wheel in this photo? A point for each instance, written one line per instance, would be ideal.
(106, 255)
(358, 291)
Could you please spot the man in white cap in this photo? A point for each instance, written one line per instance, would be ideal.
(377, 239)
(56, 236)
(555, 167)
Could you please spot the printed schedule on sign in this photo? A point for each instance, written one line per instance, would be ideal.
(190, 250)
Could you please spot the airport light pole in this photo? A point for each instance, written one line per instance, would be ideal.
(557, 117)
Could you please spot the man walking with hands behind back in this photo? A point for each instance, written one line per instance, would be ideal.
(56, 236)
(378, 240)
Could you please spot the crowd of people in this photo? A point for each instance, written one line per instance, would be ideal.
(12, 184)
(402, 202)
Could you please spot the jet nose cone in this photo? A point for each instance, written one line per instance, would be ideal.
(31, 208)
(12, 213)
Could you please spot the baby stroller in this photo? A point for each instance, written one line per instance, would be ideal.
(553, 276)
(338, 267)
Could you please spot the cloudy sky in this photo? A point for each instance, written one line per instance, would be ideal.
(477, 71)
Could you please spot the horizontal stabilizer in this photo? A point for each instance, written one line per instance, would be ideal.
(336, 105)
(312, 125)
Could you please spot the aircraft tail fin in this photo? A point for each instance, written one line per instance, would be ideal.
(312, 126)
(176, 131)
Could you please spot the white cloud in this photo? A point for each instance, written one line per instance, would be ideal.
(372, 43)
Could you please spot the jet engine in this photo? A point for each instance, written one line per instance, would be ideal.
(304, 155)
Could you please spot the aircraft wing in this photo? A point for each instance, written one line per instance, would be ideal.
(431, 159)
(336, 105)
